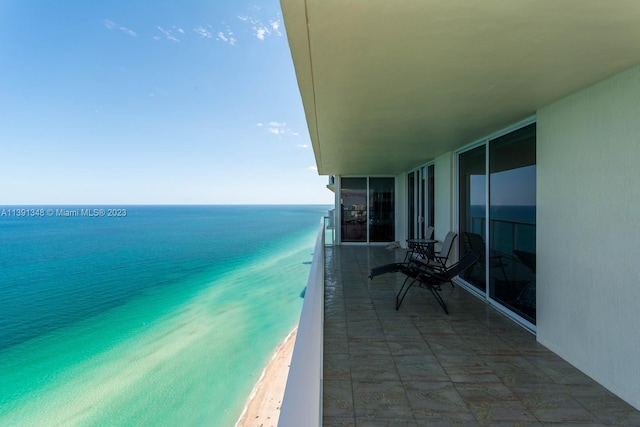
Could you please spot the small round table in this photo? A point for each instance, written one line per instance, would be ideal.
(422, 247)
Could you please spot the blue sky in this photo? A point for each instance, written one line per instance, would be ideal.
(135, 102)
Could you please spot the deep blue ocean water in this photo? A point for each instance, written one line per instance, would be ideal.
(512, 227)
(165, 316)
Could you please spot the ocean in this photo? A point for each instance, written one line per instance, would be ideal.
(145, 315)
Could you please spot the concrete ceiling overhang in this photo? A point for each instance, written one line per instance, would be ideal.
(388, 85)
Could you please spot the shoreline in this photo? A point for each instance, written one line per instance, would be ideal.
(263, 406)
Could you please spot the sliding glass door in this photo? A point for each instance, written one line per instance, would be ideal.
(512, 225)
(381, 209)
(497, 219)
(367, 209)
(429, 188)
(353, 200)
(472, 202)
(412, 212)
(420, 204)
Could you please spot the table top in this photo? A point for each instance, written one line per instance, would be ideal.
(422, 241)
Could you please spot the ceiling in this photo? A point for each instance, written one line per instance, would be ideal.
(388, 85)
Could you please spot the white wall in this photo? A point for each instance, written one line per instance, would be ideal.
(443, 197)
(588, 231)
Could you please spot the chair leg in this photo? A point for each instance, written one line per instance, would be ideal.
(438, 298)
(443, 267)
(401, 294)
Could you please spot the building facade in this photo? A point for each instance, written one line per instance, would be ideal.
(515, 125)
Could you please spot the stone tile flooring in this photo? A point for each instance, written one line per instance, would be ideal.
(418, 366)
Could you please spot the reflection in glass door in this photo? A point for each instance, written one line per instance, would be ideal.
(504, 232)
(420, 202)
(411, 205)
(512, 225)
(430, 196)
(415, 204)
(353, 201)
(367, 209)
(472, 205)
(381, 209)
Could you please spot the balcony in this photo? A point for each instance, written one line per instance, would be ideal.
(419, 366)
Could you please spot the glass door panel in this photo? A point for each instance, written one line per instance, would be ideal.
(430, 196)
(353, 204)
(472, 212)
(381, 209)
(411, 206)
(419, 201)
(512, 224)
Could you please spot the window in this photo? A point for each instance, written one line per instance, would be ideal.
(367, 209)
(420, 202)
(497, 218)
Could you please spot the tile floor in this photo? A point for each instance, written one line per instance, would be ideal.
(418, 366)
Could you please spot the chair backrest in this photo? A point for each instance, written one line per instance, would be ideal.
(475, 243)
(447, 244)
(467, 261)
(428, 233)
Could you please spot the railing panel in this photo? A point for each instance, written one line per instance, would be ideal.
(302, 401)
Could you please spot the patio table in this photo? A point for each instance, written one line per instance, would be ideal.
(422, 247)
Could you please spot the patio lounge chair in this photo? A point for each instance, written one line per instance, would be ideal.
(436, 260)
(440, 258)
(428, 278)
(389, 268)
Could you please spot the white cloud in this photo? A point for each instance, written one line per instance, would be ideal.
(249, 20)
(278, 128)
(168, 34)
(313, 168)
(303, 145)
(203, 32)
(227, 37)
(260, 30)
(109, 24)
(275, 25)
(128, 31)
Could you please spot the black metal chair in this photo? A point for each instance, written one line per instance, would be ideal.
(431, 279)
(440, 258)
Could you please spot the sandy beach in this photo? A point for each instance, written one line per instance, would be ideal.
(263, 406)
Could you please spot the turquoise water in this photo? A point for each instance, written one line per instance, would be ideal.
(164, 317)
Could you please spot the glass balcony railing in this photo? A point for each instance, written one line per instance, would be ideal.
(302, 401)
(507, 236)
